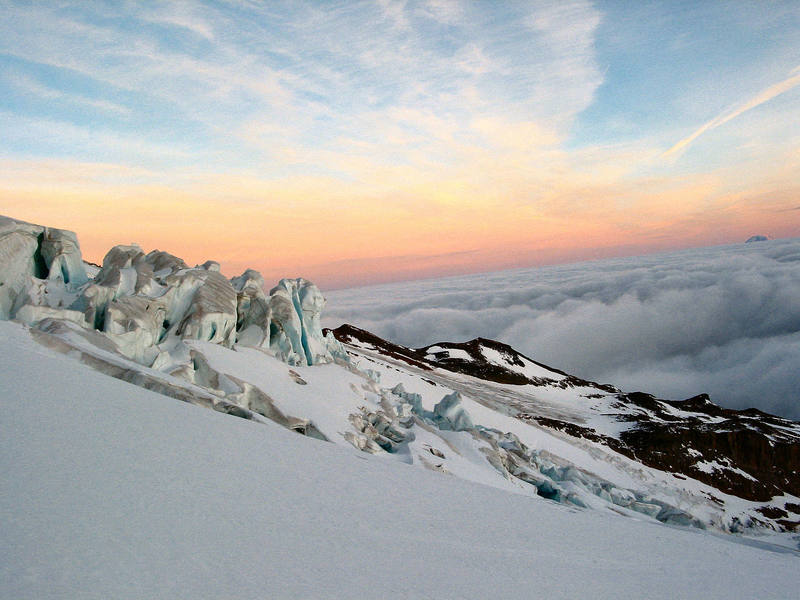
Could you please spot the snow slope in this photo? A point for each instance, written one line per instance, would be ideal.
(113, 491)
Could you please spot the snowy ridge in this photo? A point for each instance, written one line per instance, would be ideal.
(653, 449)
(477, 411)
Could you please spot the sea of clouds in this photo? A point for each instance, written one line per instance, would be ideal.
(722, 320)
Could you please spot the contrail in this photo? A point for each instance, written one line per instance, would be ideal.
(765, 95)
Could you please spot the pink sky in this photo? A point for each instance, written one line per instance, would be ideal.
(345, 241)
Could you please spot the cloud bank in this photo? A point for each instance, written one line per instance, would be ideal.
(724, 320)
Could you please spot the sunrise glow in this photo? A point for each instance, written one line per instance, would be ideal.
(357, 142)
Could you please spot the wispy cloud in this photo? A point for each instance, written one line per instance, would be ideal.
(445, 11)
(763, 96)
(31, 86)
(324, 68)
(394, 11)
(180, 14)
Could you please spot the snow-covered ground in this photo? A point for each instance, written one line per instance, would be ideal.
(113, 491)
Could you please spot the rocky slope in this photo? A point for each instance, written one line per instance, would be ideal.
(748, 453)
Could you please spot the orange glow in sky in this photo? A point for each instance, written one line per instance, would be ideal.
(367, 143)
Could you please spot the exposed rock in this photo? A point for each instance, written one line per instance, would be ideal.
(468, 358)
(143, 306)
(435, 451)
(296, 378)
(350, 334)
(743, 453)
(758, 459)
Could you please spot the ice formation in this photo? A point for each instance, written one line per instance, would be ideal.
(142, 302)
(393, 426)
(105, 482)
(38, 266)
(449, 414)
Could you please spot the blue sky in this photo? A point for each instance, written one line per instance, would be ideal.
(409, 131)
(668, 65)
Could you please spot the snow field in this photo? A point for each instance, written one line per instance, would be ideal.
(112, 491)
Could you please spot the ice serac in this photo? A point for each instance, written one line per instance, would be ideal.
(725, 469)
(252, 310)
(475, 410)
(18, 249)
(210, 302)
(143, 300)
(62, 256)
(135, 324)
(138, 299)
(450, 414)
(38, 266)
(125, 301)
(295, 331)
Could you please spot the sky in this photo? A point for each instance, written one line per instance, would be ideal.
(359, 142)
(724, 321)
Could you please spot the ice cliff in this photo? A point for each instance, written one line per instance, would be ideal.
(145, 303)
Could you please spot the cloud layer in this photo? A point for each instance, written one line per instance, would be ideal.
(724, 320)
